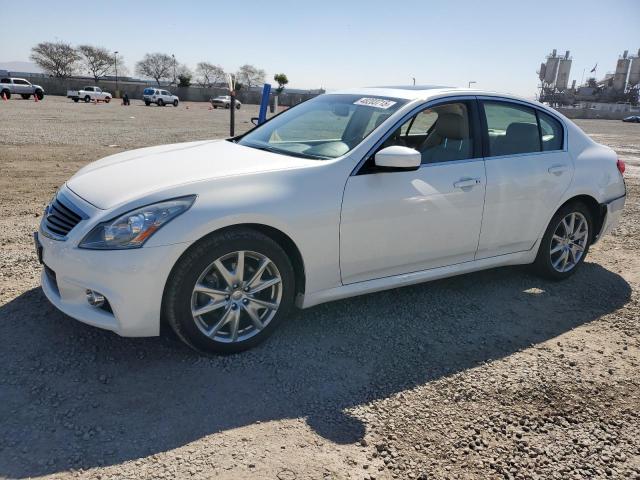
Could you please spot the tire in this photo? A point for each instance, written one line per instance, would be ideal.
(160, 102)
(175, 103)
(238, 106)
(87, 99)
(25, 96)
(147, 103)
(215, 107)
(227, 106)
(39, 94)
(107, 99)
(180, 298)
(6, 93)
(545, 260)
(76, 100)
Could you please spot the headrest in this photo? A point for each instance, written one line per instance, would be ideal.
(522, 131)
(450, 125)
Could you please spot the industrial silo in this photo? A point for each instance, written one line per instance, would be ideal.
(552, 69)
(634, 72)
(564, 69)
(622, 70)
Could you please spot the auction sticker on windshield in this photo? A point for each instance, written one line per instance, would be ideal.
(375, 102)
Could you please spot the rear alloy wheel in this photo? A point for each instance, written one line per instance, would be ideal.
(160, 102)
(566, 242)
(237, 106)
(87, 99)
(39, 94)
(107, 99)
(227, 106)
(175, 103)
(6, 94)
(229, 292)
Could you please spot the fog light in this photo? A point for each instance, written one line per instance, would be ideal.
(95, 299)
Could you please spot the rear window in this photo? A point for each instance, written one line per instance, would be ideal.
(148, 91)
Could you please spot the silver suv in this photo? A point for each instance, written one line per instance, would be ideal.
(159, 97)
(19, 86)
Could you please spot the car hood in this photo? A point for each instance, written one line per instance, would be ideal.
(130, 175)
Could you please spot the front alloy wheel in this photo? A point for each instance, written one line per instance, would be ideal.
(229, 291)
(236, 296)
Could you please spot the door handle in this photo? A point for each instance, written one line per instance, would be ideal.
(557, 170)
(466, 182)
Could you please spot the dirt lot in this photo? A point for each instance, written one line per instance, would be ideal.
(491, 375)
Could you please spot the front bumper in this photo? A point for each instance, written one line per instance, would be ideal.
(131, 280)
(612, 216)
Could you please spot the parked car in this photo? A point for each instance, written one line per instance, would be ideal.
(348, 193)
(88, 94)
(224, 101)
(159, 97)
(19, 86)
(632, 119)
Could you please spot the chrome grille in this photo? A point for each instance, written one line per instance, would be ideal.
(60, 217)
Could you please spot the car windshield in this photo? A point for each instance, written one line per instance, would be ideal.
(324, 127)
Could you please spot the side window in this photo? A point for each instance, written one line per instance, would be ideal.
(441, 134)
(551, 131)
(98, 89)
(5, 80)
(89, 89)
(512, 129)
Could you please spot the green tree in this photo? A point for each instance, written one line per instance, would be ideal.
(282, 80)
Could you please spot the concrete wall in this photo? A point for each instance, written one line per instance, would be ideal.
(590, 113)
(59, 86)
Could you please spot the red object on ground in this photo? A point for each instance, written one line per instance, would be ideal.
(621, 166)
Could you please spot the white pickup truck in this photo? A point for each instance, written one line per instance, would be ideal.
(88, 94)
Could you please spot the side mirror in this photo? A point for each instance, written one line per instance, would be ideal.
(254, 120)
(398, 157)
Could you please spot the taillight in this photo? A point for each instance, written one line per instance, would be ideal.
(621, 166)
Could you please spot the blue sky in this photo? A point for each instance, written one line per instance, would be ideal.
(337, 44)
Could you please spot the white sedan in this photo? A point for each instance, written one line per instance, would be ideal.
(345, 194)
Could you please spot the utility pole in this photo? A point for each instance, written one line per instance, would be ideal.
(115, 63)
(174, 69)
(232, 105)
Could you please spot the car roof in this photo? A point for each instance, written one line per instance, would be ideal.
(425, 92)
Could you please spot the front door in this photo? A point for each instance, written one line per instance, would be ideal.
(407, 221)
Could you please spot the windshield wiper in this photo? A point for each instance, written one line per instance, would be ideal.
(268, 148)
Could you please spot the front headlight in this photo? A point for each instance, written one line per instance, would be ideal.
(134, 228)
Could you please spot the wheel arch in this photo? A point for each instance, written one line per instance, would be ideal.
(597, 210)
(278, 236)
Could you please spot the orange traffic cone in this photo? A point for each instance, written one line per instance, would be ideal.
(187, 107)
(4, 96)
(35, 97)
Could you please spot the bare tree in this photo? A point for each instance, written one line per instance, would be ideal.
(158, 66)
(208, 74)
(250, 76)
(97, 60)
(56, 58)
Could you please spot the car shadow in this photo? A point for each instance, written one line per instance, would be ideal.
(74, 396)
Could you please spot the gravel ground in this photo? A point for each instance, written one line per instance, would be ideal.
(496, 374)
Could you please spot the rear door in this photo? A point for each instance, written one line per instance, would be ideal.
(528, 170)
